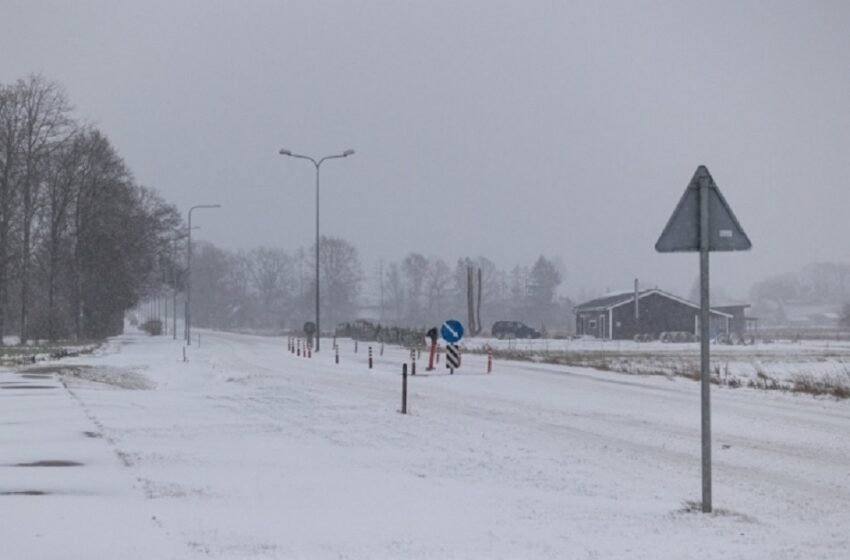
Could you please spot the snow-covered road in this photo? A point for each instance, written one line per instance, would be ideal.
(248, 451)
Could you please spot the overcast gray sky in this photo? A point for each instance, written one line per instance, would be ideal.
(503, 129)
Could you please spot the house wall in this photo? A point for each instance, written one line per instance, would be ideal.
(659, 314)
(590, 322)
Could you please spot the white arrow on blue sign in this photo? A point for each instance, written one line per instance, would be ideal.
(451, 331)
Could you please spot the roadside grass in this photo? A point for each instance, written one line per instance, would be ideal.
(20, 355)
(688, 366)
(833, 385)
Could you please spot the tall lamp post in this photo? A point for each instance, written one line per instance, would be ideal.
(346, 153)
(189, 271)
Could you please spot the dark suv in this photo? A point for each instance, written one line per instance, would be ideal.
(513, 329)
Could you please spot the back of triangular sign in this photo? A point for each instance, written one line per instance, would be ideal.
(682, 230)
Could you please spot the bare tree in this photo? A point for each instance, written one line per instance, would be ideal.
(437, 282)
(10, 132)
(271, 279)
(62, 183)
(45, 123)
(414, 267)
(395, 285)
(341, 278)
(101, 171)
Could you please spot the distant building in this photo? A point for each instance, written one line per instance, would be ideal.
(740, 323)
(619, 317)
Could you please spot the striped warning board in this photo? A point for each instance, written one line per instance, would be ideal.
(452, 356)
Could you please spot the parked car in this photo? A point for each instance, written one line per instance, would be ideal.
(513, 329)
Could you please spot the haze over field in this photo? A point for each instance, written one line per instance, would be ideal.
(481, 128)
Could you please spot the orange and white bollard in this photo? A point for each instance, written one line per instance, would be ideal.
(336, 354)
(298, 346)
(370, 357)
(489, 361)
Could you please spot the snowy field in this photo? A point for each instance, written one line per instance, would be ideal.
(779, 363)
(247, 451)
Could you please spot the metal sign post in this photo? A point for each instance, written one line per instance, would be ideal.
(452, 332)
(703, 222)
(704, 348)
(452, 357)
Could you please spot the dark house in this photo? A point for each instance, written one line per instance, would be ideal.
(618, 317)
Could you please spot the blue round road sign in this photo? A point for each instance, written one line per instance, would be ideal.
(451, 331)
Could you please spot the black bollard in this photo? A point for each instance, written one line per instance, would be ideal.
(404, 389)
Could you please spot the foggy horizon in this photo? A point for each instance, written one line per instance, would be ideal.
(480, 129)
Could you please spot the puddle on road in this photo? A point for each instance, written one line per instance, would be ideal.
(50, 463)
(29, 387)
(92, 434)
(42, 376)
(24, 493)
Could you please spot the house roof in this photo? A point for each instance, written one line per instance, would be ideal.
(609, 301)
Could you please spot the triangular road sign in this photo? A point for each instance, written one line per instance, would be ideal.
(682, 230)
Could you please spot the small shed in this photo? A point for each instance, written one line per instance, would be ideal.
(621, 316)
(740, 323)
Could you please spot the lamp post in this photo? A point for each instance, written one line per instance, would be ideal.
(189, 271)
(317, 164)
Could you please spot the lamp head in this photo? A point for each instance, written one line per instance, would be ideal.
(347, 153)
(285, 152)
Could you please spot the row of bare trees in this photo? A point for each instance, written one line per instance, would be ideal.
(422, 290)
(267, 288)
(80, 241)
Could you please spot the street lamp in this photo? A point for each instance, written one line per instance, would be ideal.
(346, 153)
(189, 271)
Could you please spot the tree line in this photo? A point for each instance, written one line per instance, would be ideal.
(80, 240)
(267, 288)
(816, 284)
